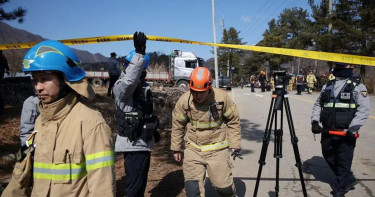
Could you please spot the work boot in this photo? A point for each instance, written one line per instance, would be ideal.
(337, 194)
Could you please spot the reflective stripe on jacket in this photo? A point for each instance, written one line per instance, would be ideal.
(362, 103)
(193, 125)
(74, 151)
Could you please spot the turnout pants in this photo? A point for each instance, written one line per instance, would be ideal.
(338, 153)
(137, 164)
(218, 167)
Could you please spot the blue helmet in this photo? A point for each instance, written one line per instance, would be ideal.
(53, 55)
(129, 58)
(147, 61)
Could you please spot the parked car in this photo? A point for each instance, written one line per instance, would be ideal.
(225, 82)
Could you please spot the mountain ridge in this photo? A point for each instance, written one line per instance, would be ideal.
(10, 35)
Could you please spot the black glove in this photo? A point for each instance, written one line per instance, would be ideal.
(156, 136)
(315, 127)
(139, 39)
(236, 153)
(351, 133)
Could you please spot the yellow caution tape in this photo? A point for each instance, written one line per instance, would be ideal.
(325, 56)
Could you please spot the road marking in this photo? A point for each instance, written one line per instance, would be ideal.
(247, 94)
(256, 94)
(372, 117)
(302, 99)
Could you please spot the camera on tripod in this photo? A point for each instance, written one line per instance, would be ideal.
(281, 79)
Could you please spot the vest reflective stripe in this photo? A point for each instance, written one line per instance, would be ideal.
(211, 147)
(341, 105)
(180, 116)
(59, 171)
(229, 111)
(99, 160)
(206, 125)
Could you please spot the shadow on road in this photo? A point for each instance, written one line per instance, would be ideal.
(252, 131)
(318, 167)
(163, 189)
(240, 188)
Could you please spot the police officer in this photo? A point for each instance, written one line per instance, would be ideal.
(136, 124)
(299, 82)
(4, 68)
(205, 123)
(343, 106)
(114, 72)
(262, 80)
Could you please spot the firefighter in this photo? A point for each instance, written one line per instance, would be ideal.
(299, 82)
(311, 80)
(291, 82)
(73, 144)
(205, 124)
(343, 105)
(136, 123)
(272, 83)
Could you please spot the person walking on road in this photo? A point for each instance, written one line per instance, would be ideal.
(311, 80)
(73, 145)
(252, 82)
(4, 68)
(262, 80)
(205, 124)
(114, 72)
(342, 107)
(299, 82)
(137, 126)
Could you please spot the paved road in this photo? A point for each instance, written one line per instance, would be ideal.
(254, 109)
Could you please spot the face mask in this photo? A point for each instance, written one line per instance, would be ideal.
(343, 72)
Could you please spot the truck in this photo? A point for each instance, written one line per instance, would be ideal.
(181, 64)
(97, 78)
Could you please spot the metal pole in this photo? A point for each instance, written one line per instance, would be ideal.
(330, 15)
(215, 47)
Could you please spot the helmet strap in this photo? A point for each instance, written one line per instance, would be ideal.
(64, 88)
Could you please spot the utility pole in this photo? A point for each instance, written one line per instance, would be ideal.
(222, 29)
(330, 15)
(215, 47)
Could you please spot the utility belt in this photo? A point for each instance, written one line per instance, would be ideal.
(137, 125)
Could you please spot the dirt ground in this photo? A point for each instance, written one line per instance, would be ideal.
(165, 178)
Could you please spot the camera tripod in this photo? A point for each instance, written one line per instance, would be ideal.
(279, 97)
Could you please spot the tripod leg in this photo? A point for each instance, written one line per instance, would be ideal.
(294, 141)
(266, 141)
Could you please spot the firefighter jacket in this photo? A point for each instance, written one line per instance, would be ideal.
(194, 125)
(123, 91)
(28, 116)
(342, 104)
(74, 151)
(311, 78)
(113, 67)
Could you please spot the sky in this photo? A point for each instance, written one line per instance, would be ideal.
(183, 19)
